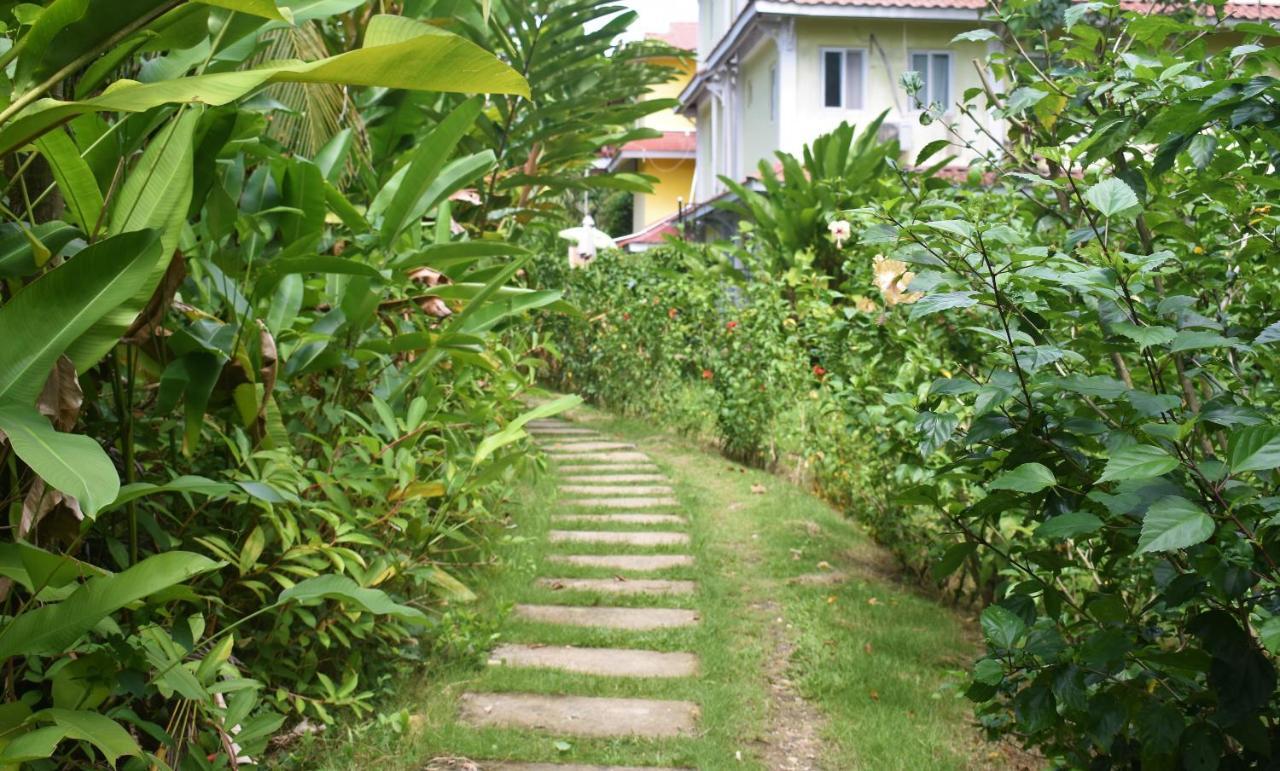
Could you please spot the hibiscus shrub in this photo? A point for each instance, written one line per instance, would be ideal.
(1068, 414)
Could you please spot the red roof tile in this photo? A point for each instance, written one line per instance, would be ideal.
(656, 233)
(669, 142)
(1265, 10)
(959, 4)
(1247, 9)
(681, 34)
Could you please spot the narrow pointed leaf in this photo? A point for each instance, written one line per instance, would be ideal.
(52, 629)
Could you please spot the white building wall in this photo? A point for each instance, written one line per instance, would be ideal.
(759, 126)
(887, 46)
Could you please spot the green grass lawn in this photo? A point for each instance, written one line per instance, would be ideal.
(881, 664)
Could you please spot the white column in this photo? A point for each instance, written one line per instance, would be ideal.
(790, 135)
(734, 134)
(719, 132)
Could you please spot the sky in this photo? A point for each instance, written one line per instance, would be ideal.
(655, 15)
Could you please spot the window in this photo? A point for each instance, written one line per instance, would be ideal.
(934, 68)
(843, 77)
(773, 94)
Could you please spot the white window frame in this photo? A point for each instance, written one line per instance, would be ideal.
(774, 96)
(844, 52)
(920, 105)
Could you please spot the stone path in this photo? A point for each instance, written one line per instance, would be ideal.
(613, 485)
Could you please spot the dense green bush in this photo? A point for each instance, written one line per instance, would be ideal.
(260, 385)
(1071, 405)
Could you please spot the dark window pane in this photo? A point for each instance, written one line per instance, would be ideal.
(833, 85)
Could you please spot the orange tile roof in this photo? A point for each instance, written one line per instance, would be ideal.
(960, 4)
(681, 34)
(1243, 9)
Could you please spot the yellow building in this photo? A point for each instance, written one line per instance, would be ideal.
(669, 158)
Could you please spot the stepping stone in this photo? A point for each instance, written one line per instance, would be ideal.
(577, 447)
(605, 662)
(565, 431)
(618, 456)
(614, 490)
(588, 479)
(623, 503)
(642, 563)
(616, 586)
(570, 767)
(581, 715)
(621, 519)
(631, 619)
(617, 536)
(648, 468)
(573, 439)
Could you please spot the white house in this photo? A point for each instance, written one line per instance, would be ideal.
(775, 74)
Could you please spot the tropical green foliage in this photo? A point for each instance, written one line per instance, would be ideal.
(1066, 409)
(259, 381)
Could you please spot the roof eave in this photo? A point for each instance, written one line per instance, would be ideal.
(729, 41)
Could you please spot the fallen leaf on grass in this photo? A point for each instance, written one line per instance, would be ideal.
(875, 696)
(757, 489)
(873, 601)
(831, 600)
(866, 648)
(824, 565)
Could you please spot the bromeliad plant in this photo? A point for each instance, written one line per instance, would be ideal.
(1111, 442)
(256, 403)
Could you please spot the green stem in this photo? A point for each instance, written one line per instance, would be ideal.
(80, 61)
(130, 473)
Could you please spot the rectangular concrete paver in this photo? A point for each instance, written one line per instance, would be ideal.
(620, 519)
(617, 489)
(632, 619)
(608, 468)
(641, 563)
(556, 431)
(574, 447)
(631, 502)
(617, 456)
(582, 715)
(605, 662)
(608, 536)
(618, 586)
(605, 479)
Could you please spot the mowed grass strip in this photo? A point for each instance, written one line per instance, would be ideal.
(883, 661)
(880, 661)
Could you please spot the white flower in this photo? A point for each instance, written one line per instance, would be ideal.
(841, 231)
